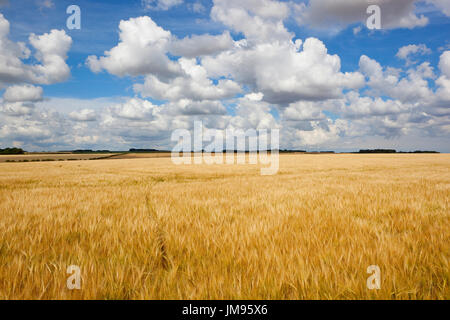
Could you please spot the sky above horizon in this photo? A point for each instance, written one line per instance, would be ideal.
(138, 70)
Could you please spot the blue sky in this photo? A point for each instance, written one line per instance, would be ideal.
(322, 120)
(99, 32)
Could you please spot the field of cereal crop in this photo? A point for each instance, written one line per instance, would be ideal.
(148, 229)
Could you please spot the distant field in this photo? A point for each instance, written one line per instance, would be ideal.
(143, 155)
(52, 157)
(147, 229)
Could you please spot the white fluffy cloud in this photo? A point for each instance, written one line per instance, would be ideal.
(406, 51)
(19, 118)
(284, 72)
(20, 100)
(51, 51)
(141, 50)
(186, 107)
(357, 106)
(37, 129)
(17, 109)
(253, 113)
(303, 111)
(23, 93)
(442, 99)
(258, 20)
(269, 61)
(444, 64)
(194, 85)
(135, 109)
(389, 82)
(83, 115)
(200, 45)
(321, 135)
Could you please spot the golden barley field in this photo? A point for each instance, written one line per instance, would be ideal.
(148, 229)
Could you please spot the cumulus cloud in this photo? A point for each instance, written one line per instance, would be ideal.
(36, 129)
(25, 131)
(17, 109)
(357, 106)
(283, 72)
(51, 51)
(86, 140)
(135, 109)
(389, 82)
(141, 50)
(23, 93)
(269, 61)
(265, 9)
(303, 111)
(442, 100)
(20, 100)
(321, 135)
(194, 85)
(252, 113)
(20, 119)
(83, 115)
(258, 20)
(444, 64)
(398, 102)
(384, 109)
(190, 108)
(406, 51)
(201, 45)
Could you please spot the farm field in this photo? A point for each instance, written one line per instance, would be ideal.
(148, 229)
(142, 155)
(53, 157)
